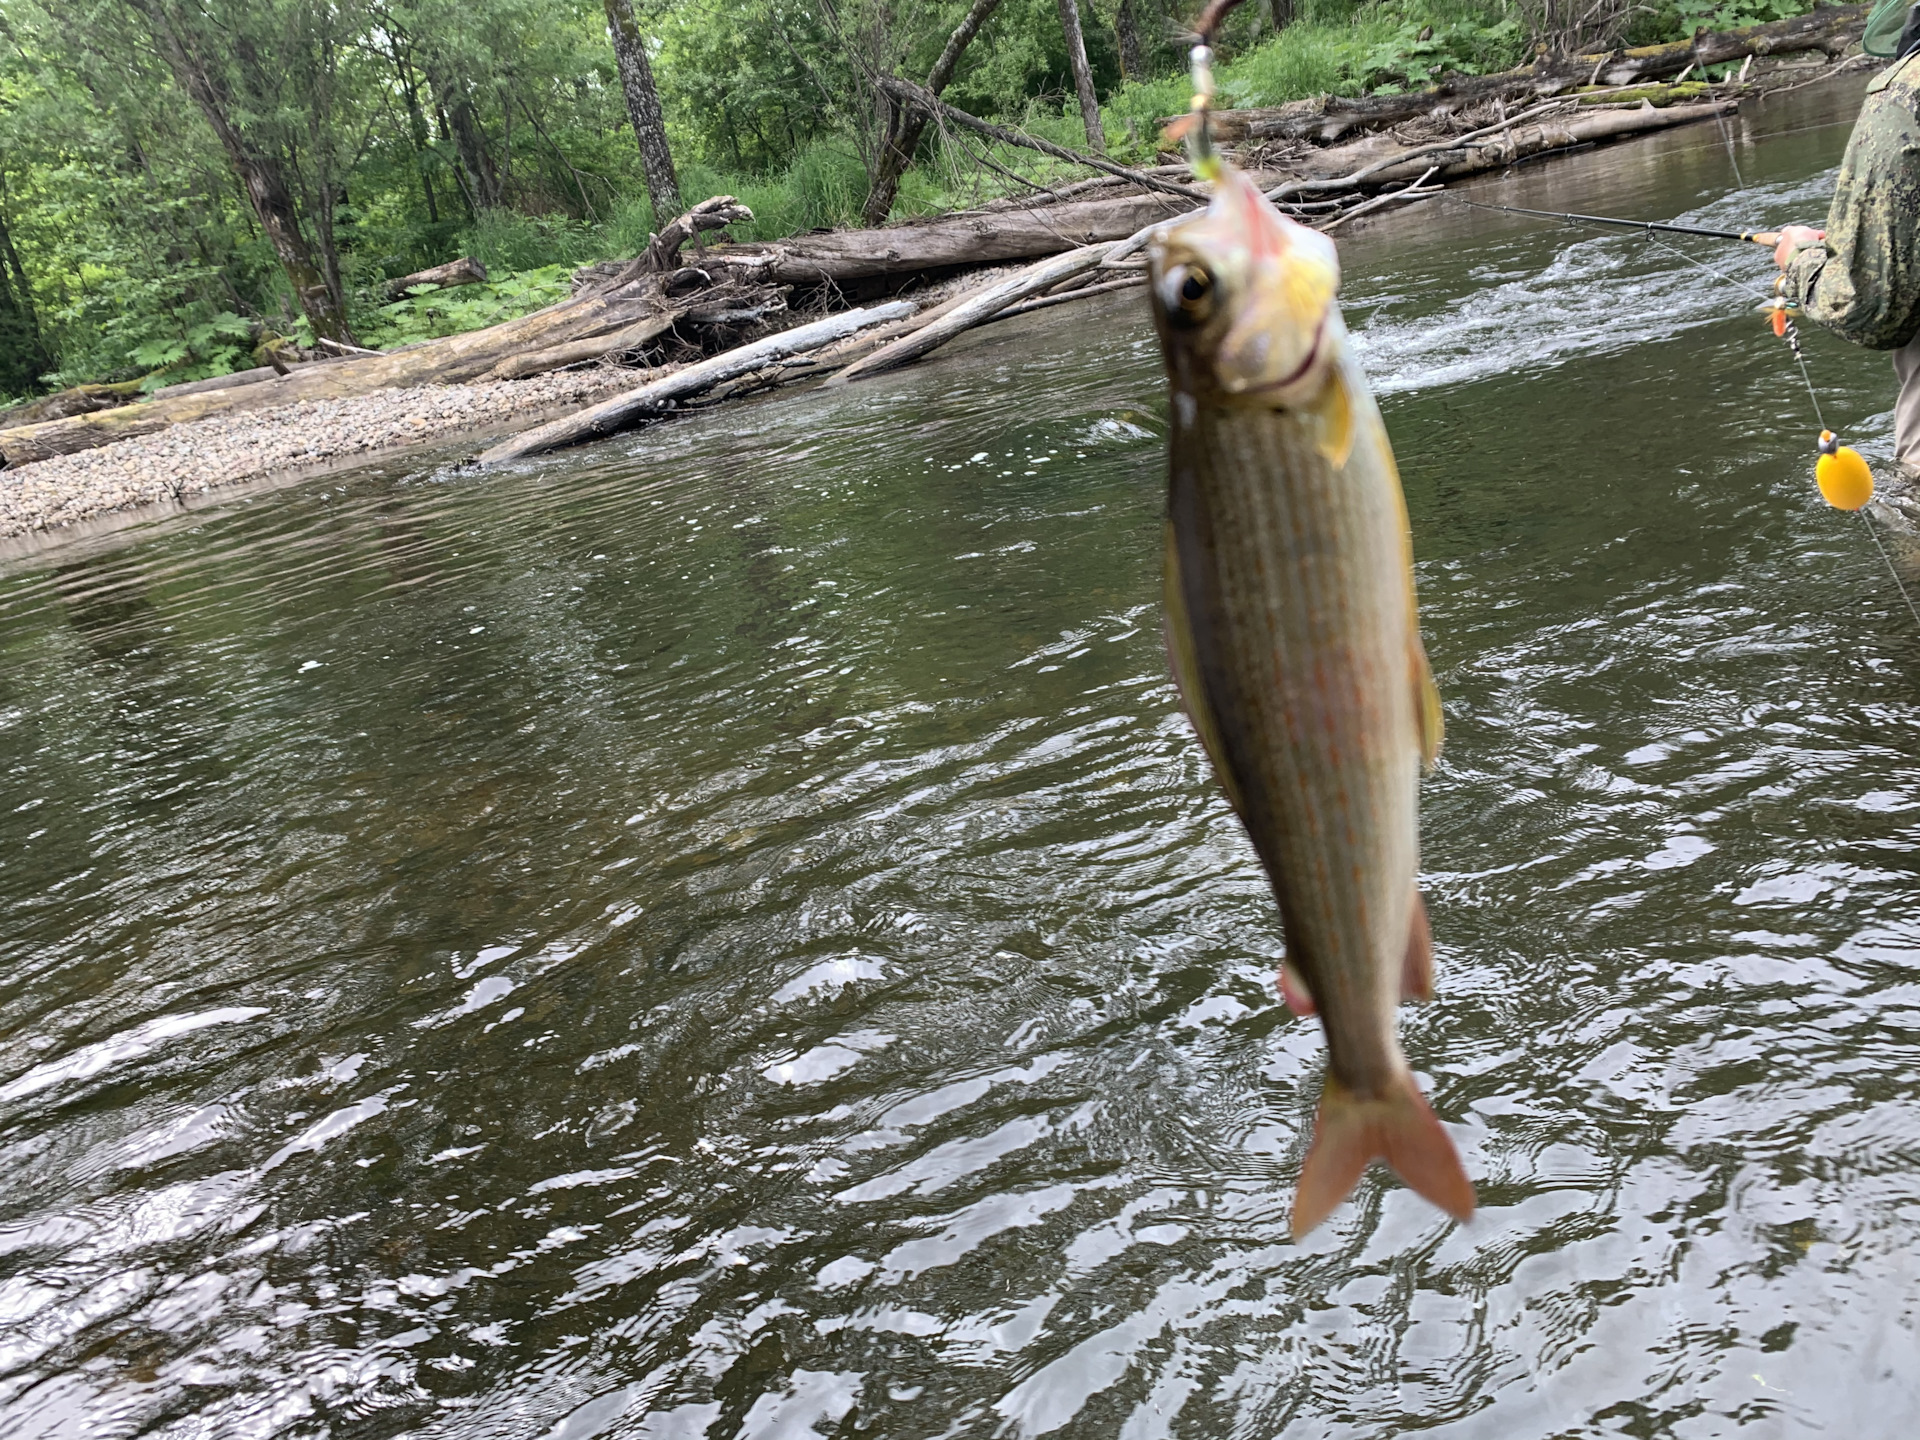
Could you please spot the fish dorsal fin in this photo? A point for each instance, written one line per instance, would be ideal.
(1426, 705)
(1337, 418)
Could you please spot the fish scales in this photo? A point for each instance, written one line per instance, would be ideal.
(1292, 629)
(1294, 577)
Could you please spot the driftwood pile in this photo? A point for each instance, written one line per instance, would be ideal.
(1327, 160)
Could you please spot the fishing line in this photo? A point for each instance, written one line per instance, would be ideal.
(1784, 327)
(1875, 536)
(1792, 336)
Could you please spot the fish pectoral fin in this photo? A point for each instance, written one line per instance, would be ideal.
(1400, 1128)
(1335, 441)
(1416, 970)
(1426, 705)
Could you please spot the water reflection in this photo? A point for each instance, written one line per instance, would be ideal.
(727, 934)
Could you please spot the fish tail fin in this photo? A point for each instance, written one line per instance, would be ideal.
(1400, 1128)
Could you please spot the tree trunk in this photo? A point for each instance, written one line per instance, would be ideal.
(905, 124)
(1133, 60)
(643, 109)
(1082, 75)
(1282, 13)
(649, 401)
(259, 173)
(416, 130)
(479, 181)
(23, 358)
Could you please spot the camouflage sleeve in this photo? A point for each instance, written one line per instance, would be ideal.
(1864, 282)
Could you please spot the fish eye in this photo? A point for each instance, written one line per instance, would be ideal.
(1188, 293)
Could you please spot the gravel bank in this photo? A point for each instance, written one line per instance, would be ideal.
(322, 434)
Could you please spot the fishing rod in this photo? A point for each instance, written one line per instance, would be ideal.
(1757, 237)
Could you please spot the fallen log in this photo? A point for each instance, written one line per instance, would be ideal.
(1831, 30)
(575, 352)
(829, 358)
(1079, 292)
(663, 250)
(847, 258)
(1458, 158)
(216, 382)
(651, 400)
(464, 271)
(972, 311)
(1457, 155)
(340, 347)
(76, 400)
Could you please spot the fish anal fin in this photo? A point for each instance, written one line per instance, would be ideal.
(1426, 705)
(1416, 973)
(1337, 418)
(1349, 1133)
(1416, 967)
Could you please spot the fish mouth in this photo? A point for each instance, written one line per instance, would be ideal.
(1300, 371)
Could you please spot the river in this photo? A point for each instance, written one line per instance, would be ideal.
(727, 933)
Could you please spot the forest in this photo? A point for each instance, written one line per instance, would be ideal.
(187, 184)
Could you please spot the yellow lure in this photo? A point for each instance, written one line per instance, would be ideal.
(1844, 480)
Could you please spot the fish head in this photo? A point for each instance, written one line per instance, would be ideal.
(1244, 300)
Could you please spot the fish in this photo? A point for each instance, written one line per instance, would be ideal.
(1294, 636)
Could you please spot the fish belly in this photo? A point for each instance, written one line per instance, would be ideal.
(1292, 578)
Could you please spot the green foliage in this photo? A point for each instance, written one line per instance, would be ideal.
(1460, 47)
(218, 345)
(502, 240)
(1677, 19)
(1372, 48)
(142, 254)
(429, 311)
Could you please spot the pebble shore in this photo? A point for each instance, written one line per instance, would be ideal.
(227, 449)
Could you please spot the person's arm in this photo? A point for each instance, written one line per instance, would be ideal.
(1863, 280)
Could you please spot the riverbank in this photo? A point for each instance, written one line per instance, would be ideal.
(302, 440)
(298, 440)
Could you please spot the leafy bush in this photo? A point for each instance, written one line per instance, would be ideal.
(429, 311)
(217, 346)
(1677, 19)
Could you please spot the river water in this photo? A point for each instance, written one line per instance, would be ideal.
(726, 932)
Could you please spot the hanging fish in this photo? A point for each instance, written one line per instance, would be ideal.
(1294, 638)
